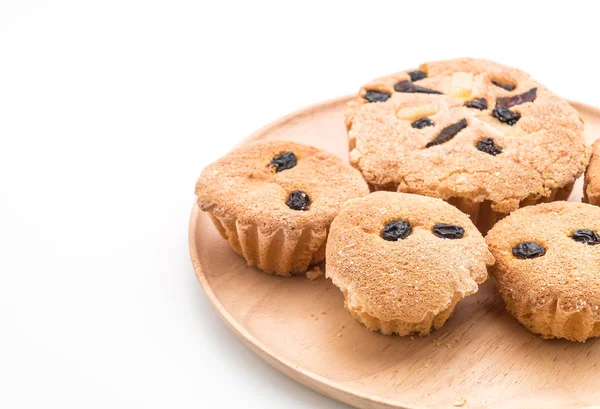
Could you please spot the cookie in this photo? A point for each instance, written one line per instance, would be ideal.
(274, 201)
(404, 261)
(485, 137)
(548, 268)
(591, 187)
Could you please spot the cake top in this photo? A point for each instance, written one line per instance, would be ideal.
(274, 184)
(592, 176)
(465, 128)
(402, 256)
(549, 253)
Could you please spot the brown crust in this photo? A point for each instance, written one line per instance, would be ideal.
(246, 199)
(591, 188)
(544, 151)
(410, 285)
(558, 294)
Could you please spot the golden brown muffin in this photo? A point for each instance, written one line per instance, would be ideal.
(591, 188)
(485, 137)
(404, 261)
(548, 268)
(274, 201)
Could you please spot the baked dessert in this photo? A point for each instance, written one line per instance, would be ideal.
(591, 186)
(485, 137)
(404, 261)
(274, 201)
(548, 268)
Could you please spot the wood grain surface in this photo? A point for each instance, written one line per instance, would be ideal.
(481, 358)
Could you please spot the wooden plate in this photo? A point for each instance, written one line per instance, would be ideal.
(481, 358)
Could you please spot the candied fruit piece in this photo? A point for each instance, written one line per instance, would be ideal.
(487, 145)
(407, 86)
(477, 103)
(422, 123)
(286, 160)
(506, 86)
(298, 200)
(507, 102)
(376, 96)
(396, 230)
(528, 249)
(506, 115)
(448, 231)
(448, 133)
(417, 75)
(586, 236)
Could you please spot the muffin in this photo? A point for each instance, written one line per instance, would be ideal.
(591, 187)
(548, 268)
(485, 137)
(273, 201)
(404, 261)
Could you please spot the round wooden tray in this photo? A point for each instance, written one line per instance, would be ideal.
(481, 358)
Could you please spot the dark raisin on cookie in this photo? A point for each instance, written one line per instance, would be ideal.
(477, 103)
(298, 200)
(506, 115)
(286, 160)
(508, 87)
(407, 86)
(376, 96)
(448, 133)
(396, 230)
(417, 75)
(448, 231)
(507, 102)
(422, 123)
(528, 249)
(586, 236)
(487, 145)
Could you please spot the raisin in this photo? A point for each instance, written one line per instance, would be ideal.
(506, 115)
(417, 75)
(448, 133)
(448, 231)
(507, 102)
(422, 123)
(376, 96)
(487, 145)
(298, 200)
(508, 87)
(286, 160)
(586, 236)
(407, 86)
(395, 230)
(477, 103)
(528, 249)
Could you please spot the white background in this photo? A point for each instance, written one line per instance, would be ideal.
(108, 112)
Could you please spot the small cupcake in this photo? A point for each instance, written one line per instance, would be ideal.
(404, 261)
(485, 137)
(274, 201)
(548, 268)
(591, 187)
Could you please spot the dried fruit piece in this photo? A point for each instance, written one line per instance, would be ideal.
(586, 236)
(286, 160)
(508, 87)
(477, 103)
(376, 96)
(507, 102)
(528, 249)
(448, 231)
(422, 123)
(396, 230)
(407, 86)
(487, 145)
(417, 75)
(448, 133)
(298, 200)
(506, 115)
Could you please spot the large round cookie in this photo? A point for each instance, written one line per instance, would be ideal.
(404, 261)
(483, 136)
(548, 268)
